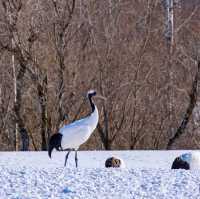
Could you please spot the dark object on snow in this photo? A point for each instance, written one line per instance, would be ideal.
(112, 162)
(24, 139)
(180, 164)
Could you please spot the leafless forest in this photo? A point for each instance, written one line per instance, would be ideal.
(141, 55)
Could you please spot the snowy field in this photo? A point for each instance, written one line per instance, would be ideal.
(147, 174)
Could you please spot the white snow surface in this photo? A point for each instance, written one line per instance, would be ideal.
(146, 175)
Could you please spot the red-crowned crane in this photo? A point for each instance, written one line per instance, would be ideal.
(72, 135)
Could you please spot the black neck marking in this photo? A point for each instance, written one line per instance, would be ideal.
(91, 103)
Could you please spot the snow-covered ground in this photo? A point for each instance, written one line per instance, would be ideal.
(147, 175)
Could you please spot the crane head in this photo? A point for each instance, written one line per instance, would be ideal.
(91, 93)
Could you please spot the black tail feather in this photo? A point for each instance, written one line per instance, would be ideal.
(54, 142)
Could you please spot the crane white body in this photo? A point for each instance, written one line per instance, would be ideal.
(78, 132)
(195, 161)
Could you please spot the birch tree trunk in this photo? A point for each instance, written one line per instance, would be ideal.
(16, 141)
(169, 36)
(169, 23)
(15, 102)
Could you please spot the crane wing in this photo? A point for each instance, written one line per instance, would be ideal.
(74, 124)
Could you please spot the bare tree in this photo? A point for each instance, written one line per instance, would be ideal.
(63, 12)
(24, 61)
(189, 110)
(11, 12)
(58, 50)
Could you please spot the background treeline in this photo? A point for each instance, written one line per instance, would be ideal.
(141, 55)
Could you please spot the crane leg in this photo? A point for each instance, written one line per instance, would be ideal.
(76, 158)
(66, 157)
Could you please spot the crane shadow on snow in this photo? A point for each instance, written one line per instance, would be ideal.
(67, 190)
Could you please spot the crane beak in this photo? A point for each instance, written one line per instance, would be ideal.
(100, 97)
